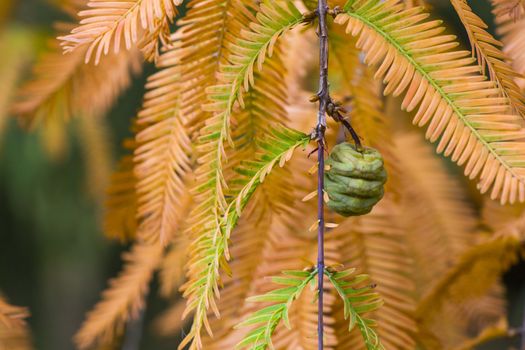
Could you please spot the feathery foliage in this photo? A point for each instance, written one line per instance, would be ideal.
(246, 53)
(277, 149)
(123, 299)
(488, 52)
(247, 243)
(162, 157)
(267, 319)
(465, 112)
(358, 298)
(234, 79)
(106, 24)
(202, 287)
(64, 87)
(211, 203)
(227, 108)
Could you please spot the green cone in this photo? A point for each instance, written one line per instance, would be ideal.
(355, 179)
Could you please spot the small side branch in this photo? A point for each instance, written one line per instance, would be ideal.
(336, 111)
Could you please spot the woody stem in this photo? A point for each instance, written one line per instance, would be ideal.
(324, 98)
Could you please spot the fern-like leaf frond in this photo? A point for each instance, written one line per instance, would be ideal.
(248, 52)
(247, 242)
(267, 319)
(212, 246)
(245, 51)
(123, 299)
(277, 148)
(64, 87)
(108, 23)
(162, 156)
(488, 52)
(358, 297)
(467, 114)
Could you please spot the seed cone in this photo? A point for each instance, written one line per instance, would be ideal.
(355, 179)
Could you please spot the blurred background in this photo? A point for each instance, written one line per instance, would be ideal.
(53, 256)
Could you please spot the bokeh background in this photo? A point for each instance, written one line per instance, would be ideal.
(53, 256)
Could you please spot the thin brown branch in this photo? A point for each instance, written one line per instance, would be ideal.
(324, 99)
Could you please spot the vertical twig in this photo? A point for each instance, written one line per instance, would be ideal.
(324, 98)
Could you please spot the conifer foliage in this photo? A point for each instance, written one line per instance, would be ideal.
(217, 189)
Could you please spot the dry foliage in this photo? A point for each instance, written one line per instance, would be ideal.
(104, 25)
(211, 191)
(123, 299)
